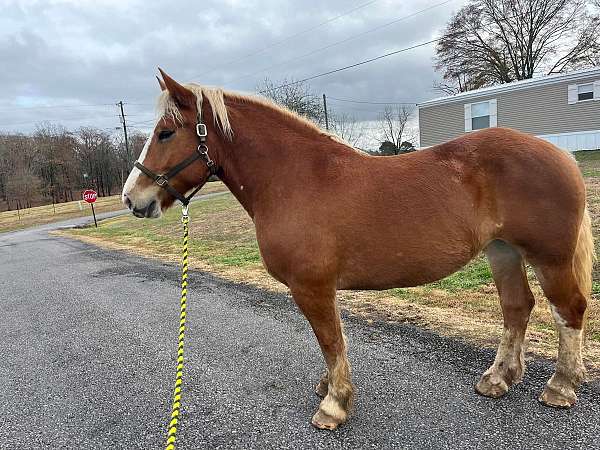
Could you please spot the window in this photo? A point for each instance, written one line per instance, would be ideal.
(585, 92)
(481, 115)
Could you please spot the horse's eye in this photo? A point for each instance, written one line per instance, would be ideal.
(165, 134)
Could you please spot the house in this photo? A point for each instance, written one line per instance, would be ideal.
(563, 109)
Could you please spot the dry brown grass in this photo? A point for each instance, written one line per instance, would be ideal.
(463, 306)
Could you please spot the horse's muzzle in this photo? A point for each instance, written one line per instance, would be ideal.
(151, 210)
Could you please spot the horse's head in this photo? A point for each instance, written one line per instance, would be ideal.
(161, 175)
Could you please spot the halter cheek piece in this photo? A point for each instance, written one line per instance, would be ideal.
(200, 153)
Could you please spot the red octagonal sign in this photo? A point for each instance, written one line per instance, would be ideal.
(90, 195)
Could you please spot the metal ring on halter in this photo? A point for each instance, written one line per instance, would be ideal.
(203, 150)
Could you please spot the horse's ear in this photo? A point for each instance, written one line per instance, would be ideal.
(161, 84)
(183, 96)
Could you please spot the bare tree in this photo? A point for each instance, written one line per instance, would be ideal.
(295, 96)
(393, 128)
(347, 127)
(498, 41)
(18, 157)
(24, 186)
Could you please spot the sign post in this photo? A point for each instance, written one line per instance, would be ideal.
(90, 197)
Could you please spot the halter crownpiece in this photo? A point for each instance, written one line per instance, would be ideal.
(201, 152)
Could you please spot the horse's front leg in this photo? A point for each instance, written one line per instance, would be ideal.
(319, 307)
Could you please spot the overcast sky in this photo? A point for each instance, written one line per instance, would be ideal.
(56, 54)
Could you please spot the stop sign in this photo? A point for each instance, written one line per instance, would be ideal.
(90, 195)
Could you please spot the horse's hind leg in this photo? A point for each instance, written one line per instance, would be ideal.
(517, 302)
(568, 304)
(319, 307)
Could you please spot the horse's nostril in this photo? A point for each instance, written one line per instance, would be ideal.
(127, 201)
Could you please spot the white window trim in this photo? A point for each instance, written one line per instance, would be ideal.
(493, 114)
(573, 92)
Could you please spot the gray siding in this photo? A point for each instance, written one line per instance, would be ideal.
(537, 110)
(440, 123)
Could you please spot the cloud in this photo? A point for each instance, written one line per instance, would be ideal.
(99, 52)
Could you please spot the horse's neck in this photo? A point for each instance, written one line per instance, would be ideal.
(270, 154)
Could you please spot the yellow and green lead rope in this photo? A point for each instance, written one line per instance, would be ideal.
(172, 434)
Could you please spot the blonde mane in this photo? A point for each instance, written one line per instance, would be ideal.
(166, 107)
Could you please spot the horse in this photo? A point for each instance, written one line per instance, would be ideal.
(330, 217)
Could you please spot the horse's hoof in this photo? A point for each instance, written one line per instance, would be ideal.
(558, 397)
(324, 421)
(322, 389)
(491, 385)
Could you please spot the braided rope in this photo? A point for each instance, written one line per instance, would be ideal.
(172, 434)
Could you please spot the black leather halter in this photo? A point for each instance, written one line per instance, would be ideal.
(200, 153)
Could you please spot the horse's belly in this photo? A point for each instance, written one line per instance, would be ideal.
(400, 271)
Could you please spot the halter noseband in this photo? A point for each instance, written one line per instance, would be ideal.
(200, 153)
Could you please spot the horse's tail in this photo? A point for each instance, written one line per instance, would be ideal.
(585, 256)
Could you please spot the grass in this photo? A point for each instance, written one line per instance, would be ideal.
(39, 215)
(464, 305)
(589, 162)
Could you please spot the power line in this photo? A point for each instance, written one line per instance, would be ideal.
(142, 122)
(334, 44)
(266, 90)
(56, 120)
(366, 61)
(288, 38)
(340, 69)
(56, 106)
(67, 106)
(370, 103)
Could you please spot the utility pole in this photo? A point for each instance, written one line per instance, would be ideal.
(120, 105)
(325, 109)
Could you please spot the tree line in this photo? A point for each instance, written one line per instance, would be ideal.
(54, 165)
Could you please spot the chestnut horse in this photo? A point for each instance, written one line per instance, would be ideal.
(329, 217)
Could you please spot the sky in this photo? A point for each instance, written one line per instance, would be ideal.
(69, 62)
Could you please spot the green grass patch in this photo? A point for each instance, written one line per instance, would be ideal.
(590, 172)
(402, 293)
(474, 275)
(471, 277)
(543, 326)
(587, 155)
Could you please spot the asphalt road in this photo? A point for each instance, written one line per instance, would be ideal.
(88, 343)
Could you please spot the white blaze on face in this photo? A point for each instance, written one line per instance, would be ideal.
(135, 172)
(137, 198)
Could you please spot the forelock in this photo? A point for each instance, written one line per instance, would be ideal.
(167, 108)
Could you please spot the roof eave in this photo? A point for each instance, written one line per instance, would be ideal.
(517, 85)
